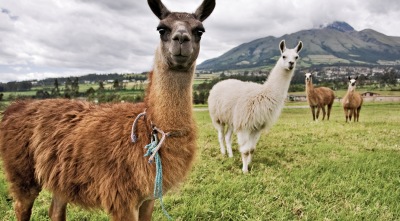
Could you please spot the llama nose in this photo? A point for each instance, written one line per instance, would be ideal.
(181, 36)
(291, 63)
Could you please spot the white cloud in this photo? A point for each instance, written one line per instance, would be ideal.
(48, 38)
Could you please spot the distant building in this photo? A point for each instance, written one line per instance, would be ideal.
(369, 94)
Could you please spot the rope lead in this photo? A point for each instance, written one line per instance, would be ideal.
(152, 151)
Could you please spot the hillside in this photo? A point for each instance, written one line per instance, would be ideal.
(337, 43)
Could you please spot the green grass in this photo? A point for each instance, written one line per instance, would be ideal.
(325, 170)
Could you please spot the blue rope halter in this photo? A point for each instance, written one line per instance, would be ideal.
(151, 150)
(152, 153)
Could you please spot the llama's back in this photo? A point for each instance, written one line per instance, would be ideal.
(224, 96)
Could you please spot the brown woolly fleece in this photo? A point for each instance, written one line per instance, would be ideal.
(83, 152)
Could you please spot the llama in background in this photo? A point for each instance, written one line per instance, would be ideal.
(248, 108)
(83, 153)
(319, 97)
(352, 101)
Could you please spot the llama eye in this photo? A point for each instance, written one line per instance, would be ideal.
(161, 31)
(200, 33)
(283, 56)
(297, 57)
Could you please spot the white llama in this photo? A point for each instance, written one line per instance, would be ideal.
(248, 108)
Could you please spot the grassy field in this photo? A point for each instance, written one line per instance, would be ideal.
(326, 170)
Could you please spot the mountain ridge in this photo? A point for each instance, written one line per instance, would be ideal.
(336, 43)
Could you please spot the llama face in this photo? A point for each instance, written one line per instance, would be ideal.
(180, 33)
(289, 56)
(308, 77)
(352, 83)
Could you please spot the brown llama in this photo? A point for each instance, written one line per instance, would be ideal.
(83, 154)
(319, 97)
(352, 101)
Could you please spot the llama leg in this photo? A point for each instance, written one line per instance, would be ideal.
(125, 214)
(313, 112)
(346, 114)
(220, 128)
(358, 113)
(318, 109)
(323, 112)
(146, 210)
(228, 140)
(24, 190)
(244, 148)
(245, 167)
(23, 210)
(351, 114)
(355, 115)
(58, 209)
(329, 111)
(255, 136)
(247, 142)
(23, 206)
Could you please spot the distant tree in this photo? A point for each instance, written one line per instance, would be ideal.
(195, 97)
(42, 94)
(55, 92)
(101, 86)
(389, 78)
(91, 93)
(75, 87)
(67, 90)
(203, 97)
(24, 86)
(1, 96)
(361, 79)
(12, 86)
(116, 85)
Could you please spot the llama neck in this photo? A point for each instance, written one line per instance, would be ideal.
(278, 82)
(309, 87)
(350, 92)
(169, 97)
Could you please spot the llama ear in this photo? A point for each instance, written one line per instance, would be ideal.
(348, 77)
(282, 46)
(356, 77)
(299, 46)
(158, 8)
(205, 9)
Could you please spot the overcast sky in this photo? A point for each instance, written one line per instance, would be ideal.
(54, 38)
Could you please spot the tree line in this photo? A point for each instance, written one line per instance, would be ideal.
(389, 78)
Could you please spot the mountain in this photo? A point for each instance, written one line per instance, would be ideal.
(336, 43)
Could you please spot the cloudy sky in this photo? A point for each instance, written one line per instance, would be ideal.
(53, 38)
